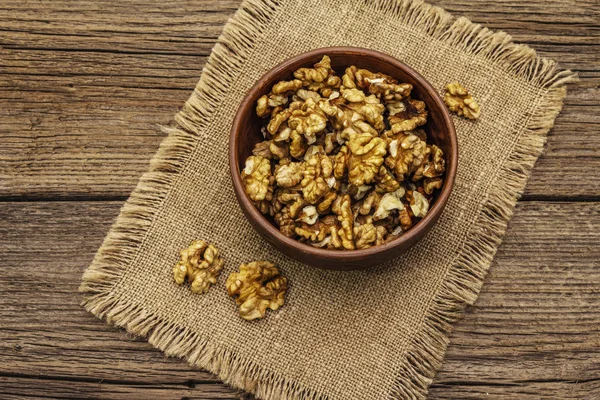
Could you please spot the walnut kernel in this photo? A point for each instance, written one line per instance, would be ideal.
(200, 264)
(258, 286)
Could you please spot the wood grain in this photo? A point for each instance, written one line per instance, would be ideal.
(84, 88)
(534, 332)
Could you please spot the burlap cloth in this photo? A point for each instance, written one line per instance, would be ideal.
(376, 334)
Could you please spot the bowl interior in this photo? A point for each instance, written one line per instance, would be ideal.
(438, 126)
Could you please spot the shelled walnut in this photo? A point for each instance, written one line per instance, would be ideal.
(459, 100)
(200, 264)
(346, 162)
(256, 287)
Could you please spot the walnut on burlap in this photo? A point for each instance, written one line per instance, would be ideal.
(365, 335)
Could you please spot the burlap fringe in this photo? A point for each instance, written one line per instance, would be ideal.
(465, 278)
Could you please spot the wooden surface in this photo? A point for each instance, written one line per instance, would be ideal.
(83, 85)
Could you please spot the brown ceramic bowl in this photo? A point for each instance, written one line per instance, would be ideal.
(246, 132)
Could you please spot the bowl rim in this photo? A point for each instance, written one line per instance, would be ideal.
(412, 234)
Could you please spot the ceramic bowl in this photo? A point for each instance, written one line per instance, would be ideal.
(246, 132)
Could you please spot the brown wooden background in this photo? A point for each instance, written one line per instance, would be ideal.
(83, 85)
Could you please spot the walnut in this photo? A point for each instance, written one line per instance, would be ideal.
(264, 206)
(421, 134)
(405, 220)
(329, 231)
(372, 113)
(323, 243)
(200, 263)
(340, 115)
(418, 204)
(256, 287)
(308, 121)
(331, 109)
(279, 150)
(395, 107)
(369, 203)
(326, 88)
(368, 107)
(256, 176)
(308, 215)
(277, 100)
(381, 235)
(430, 184)
(349, 78)
(262, 106)
(261, 149)
(313, 150)
(341, 162)
(383, 86)
(298, 145)
(321, 71)
(303, 94)
(275, 206)
(286, 86)
(459, 100)
(313, 233)
(389, 202)
(328, 143)
(365, 235)
(325, 204)
(388, 89)
(289, 175)
(353, 95)
(385, 181)
(368, 235)
(366, 158)
(293, 199)
(283, 133)
(342, 208)
(268, 104)
(406, 154)
(433, 165)
(413, 116)
(278, 118)
(314, 182)
(286, 223)
(358, 128)
(358, 192)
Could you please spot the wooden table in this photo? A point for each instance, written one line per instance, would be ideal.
(83, 86)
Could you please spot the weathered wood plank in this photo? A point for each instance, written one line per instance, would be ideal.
(534, 332)
(112, 26)
(36, 388)
(140, 26)
(83, 88)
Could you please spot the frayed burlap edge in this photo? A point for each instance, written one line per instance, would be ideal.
(465, 277)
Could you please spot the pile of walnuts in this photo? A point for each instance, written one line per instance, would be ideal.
(344, 163)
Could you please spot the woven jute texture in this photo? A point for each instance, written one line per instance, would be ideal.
(369, 335)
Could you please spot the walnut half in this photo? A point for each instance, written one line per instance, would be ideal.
(200, 263)
(256, 287)
(459, 100)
